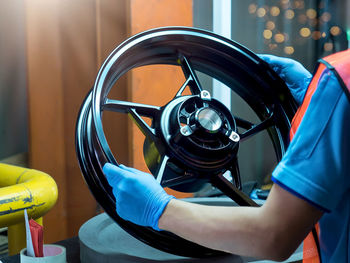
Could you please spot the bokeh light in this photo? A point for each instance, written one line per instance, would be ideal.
(274, 11)
(298, 4)
(285, 4)
(316, 35)
(305, 32)
(267, 34)
(289, 14)
(311, 22)
(289, 50)
(279, 38)
(261, 12)
(252, 8)
(328, 47)
(270, 25)
(311, 13)
(335, 30)
(325, 17)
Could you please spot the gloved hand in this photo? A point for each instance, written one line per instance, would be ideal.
(139, 197)
(292, 72)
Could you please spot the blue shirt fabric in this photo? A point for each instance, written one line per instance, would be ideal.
(316, 166)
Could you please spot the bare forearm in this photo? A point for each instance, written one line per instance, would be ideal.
(272, 231)
(236, 230)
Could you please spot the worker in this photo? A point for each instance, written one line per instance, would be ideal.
(311, 182)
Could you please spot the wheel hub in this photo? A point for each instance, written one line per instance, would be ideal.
(200, 132)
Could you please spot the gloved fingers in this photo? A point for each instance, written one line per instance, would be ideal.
(266, 57)
(139, 197)
(270, 59)
(276, 62)
(281, 63)
(114, 174)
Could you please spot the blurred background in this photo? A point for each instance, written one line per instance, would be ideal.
(50, 53)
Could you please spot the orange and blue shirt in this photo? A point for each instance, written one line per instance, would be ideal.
(316, 166)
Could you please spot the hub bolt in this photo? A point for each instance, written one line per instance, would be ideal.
(234, 137)
(205, 95)
(186, 130)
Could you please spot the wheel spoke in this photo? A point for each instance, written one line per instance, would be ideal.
(191, 78)
(257, 128)
(243, 123)
(179, 93)
(126, 106)
(142, 125)
(135, 110)
(231, 191)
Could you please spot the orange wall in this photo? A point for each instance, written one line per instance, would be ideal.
(67, 40)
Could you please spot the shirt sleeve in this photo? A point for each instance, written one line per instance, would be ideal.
(316, 166)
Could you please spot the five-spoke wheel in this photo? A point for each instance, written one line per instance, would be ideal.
(193, 139)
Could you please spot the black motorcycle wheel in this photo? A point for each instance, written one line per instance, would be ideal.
(195, 137)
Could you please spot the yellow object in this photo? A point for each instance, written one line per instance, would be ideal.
(22, 188)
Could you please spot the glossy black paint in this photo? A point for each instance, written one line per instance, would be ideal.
(167, 154)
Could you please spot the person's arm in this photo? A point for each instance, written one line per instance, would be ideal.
(272, 231)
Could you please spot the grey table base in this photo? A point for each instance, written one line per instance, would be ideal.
(102, 240)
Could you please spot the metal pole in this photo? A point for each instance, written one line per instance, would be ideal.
(222, 26)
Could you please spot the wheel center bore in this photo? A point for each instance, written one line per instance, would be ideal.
(209, 119)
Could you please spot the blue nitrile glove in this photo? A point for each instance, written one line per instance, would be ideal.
(292, 72)
(139, 197)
